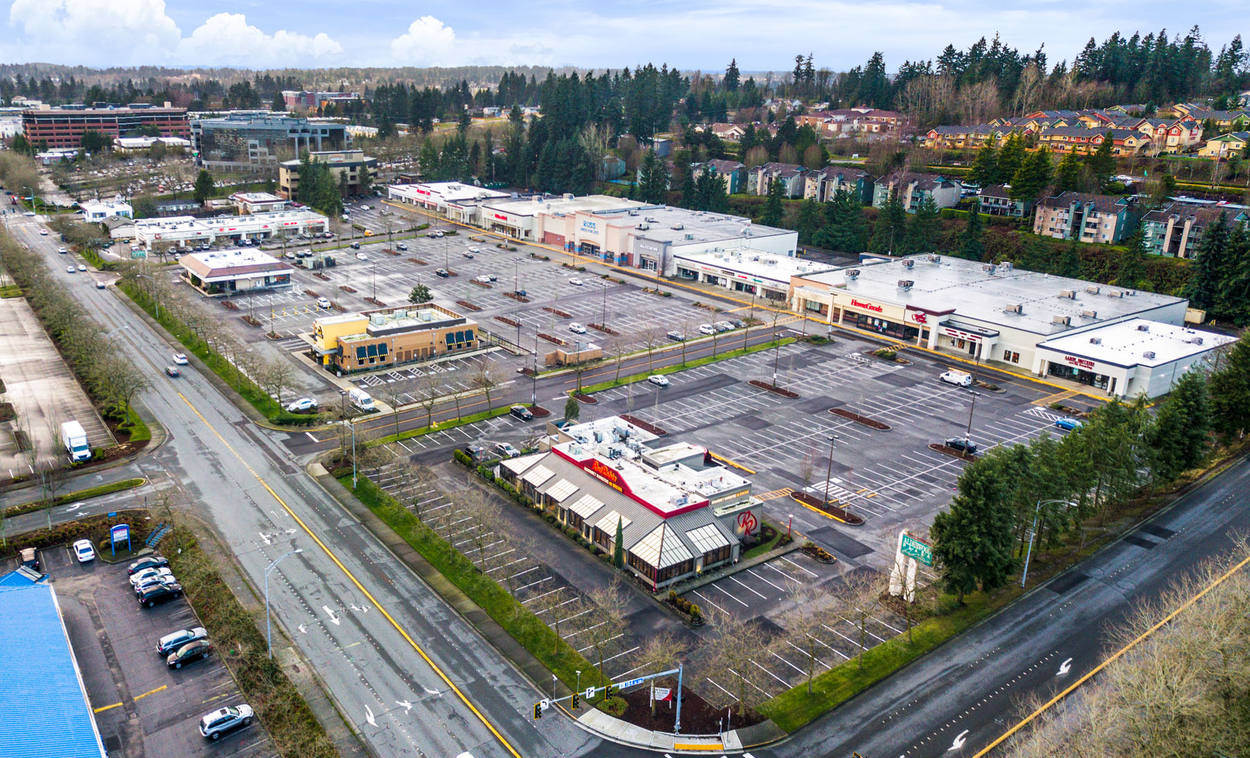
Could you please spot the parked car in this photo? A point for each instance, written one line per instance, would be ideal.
(659, 380)
(180, 359)
(1067, 423)
(172, 371)
(520, 293)
(188, 653)
(962, 444)
(738, 323)
(444, 273)
(143, 575)
(482, 279)
(577, 328)
(676, 336)
(957, 378)
(400, 246)
(723, 326)
(84, 551)
(707, 329)
(323, 302)
(439, 233)
(521, 412)
(467, 254)
(153, 581)
(147, 562)
(174, 640)
(219, 723)
(161, 593)
(301, 405)
(476, 452)
(361, 256)
(576, 282)
(506, 450)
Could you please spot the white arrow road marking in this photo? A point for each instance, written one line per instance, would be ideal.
(369, 716)
(1065, 667)
(264, 538)
(302, 630)
(73, 507)
(407, 706)
(429, 691)
(330, 613)
(959, 741)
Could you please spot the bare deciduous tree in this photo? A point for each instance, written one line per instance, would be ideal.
(861, 596)
(734, 648)
(487, 376)
(609, 619)
(651, 337)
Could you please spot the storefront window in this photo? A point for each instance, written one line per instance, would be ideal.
(1074, 374)
(874, 324)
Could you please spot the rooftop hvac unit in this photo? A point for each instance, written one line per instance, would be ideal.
(905, 284)
(648, 219)
(568, 195)
(1007, 266)
(1093, 290)
(644, 227)
(1115, 293)
(689, 236)
(1089, 314)
(1130, 293)
(932, 258)
(1018, 308)
(633, 211)
(1143, 327)
(852, 273)
(678, 227)
(987, 267)
(1149, 355)
(1095, 340)
(909, 263)
(1195, 340)
(1070, 294)
(1061, 320)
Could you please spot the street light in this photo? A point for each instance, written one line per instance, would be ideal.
(268, 626)
(829, 470)
(1024, 575)
(975, 395)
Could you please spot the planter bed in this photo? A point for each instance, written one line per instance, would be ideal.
(554, 340)
(516, 297)
(467, 305)
(833, 511)
(508, 321)
(605, 329)
(657, 431)
(868, 422)
(419, 261)
(952, 452)
(539, 411)
(584, 398)
(774, 389)
(557, 311)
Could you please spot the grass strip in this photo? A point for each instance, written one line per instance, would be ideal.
(763, 547)
(796, 706)
(69, 497)
(738, 353)
(439, 426)
(517, 620)
(224, 369)
(10, 290)
(237, 639)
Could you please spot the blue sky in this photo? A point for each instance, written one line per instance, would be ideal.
(692, 34)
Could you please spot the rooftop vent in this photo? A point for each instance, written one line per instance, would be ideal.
(1093, 290)
(678, 227)
(1195, 340)
(1143, 327)
(905, 284)
(933, 258)
(1089, 314)
(1149, 355)
(1115, 293)
(909, 263)
(1007, 266)
(1070, 294)
(1061, 320)
(1018, 308)
(988, 268)
(852, 273)
(1095, 340)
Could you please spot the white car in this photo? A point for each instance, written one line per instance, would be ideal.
(957, 378)
(180, 359)
(62, 251)
(43, 232)
(401, 246)
(70, 269)
(707, 329)
(84, 551)
(323, 302)
(361, 257)
(82, 267)
(577, 328)
(147, 574)
(215, 725)
(576, 282)
(29, 213)
(658, 379)
(301, 405)
(482, 279)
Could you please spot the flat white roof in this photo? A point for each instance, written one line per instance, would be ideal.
(754, 264)
(446, 192)
(236, 257)
(984, 292)
(700, 226)
(256, 222)
(1137, 342)
(256, 197)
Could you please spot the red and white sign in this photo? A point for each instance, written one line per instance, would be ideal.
(866, 306)
(918, 317)
(747, 524)
(1079, 362)
(420, 191)
(960, 334)
(662, 693)
(501, 217)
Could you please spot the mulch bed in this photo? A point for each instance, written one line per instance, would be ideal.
(697, 716)
(321, 276)
(555, 340)
(818, 553)
(250, 320)
(773, 388)
(506, 320)
(605, 329)
(557, 311)
(229, 305)
(389, 251)
(539, 411)
(846, 517)
(516, 297)
(952, 452)
(375, 301)
(6, 412)
(418, 261)
(868, 422)
(644, 425)
(348, 290)
(481, 284)
(584, 398)
(467, 305)
(310, 293)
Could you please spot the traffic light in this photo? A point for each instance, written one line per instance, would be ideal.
(538, 711)
(574, 702)
(611, 690)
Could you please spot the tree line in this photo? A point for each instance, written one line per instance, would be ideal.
(1119, 453)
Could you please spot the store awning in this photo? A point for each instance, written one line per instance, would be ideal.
(561, 490)
(585, 506)
(977, 330)
(537, 475)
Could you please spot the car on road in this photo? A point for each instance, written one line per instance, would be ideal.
(323, 302)
(174, 640)
(301, 405)
(29, 214)
(160, 593)
(576, 282)
(707, 329)
(444, 273)
(361, 257)
(43, 232)
(577, 328)
(172, 371)
(962, 444)
(84, 551)
(62, 251)
(957, 378)
(219, 723)
(1067, 423)
(521, 412)
(188, 653)
(70, 269)
(676, 336)
(401, 246)
(147, 562)
(180, 359)
(658, 380)
(506, 450)
(101, 285)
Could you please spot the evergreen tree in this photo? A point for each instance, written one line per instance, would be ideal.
(689, 198)
(845, 228)
(1070, 262)
(1069, 175)
(203, 186)
(1132, 263)
(279, 104)
(618, 546)
(652, 179)
(774, 211)
(888, 232)
(1032, 177)
(922, 229)
(1102, 163)
(809, 221)
(1230, 391)
(972, 540)
(971, 244)
(985, 166)
(732, 76)
(1210, 265)
(1010, 158)
(1179, 434)
(420, 294)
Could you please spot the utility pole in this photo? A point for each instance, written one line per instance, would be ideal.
(829, 470)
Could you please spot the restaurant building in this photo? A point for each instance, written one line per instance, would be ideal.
(222, 273)
(391, 336)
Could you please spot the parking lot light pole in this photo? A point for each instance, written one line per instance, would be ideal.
(975, 395)
(829, 470)
(1024, 575)
(268, 626)
(603, 317)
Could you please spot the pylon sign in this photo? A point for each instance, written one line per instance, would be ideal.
(903, 570)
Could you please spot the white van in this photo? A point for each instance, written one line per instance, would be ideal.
(361, 399)
(957, 378)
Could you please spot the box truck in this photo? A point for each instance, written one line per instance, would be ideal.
(361, 399)
(75, 441)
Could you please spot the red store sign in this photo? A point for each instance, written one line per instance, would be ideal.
(949, 332)
(866, 306)
(919, 318)
(1079, 362)
(501, 217)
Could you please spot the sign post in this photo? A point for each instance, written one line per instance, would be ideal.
(911, 551)
(119, 533)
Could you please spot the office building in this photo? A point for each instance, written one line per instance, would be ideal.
(248, 140)
(352, 171)
(63, 127)
(221, 273)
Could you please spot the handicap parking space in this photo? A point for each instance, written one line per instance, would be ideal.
(143, 707)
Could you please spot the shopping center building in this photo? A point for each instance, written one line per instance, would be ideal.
(189, 230)
(679, 514)
(1042, 323)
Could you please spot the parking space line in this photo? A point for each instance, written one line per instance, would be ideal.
(735, 580)
(812, 574)
(726, 594)
(104, 708)
(710, 602)
(788, 663)
(806, 654)
(783, 590)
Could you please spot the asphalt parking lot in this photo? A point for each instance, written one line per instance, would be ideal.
(142, 707)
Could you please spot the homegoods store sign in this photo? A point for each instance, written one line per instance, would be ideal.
(871, 307)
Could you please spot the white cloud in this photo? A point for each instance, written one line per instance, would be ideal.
(108, 32)
(227, 38)
(428, 42)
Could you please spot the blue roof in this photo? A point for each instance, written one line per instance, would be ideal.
(43, 706)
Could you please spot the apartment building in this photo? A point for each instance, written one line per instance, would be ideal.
(1085, 217)
(1176, 230)
(912, 188)
(822, 185)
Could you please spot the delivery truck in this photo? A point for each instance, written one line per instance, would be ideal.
(74, 438)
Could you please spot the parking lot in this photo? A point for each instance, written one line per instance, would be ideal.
(142, 707)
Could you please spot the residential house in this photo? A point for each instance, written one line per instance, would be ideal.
(995, 200)
(728, 132)
(1223, 120)
(1225, 145)
(912, 188)
(790, 175)
(1127, 109)
(960, 137)
(1182, 135)
(1088, 218)
(1177, 229)
(822, 185)
(1083, 140)
(729, 172)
